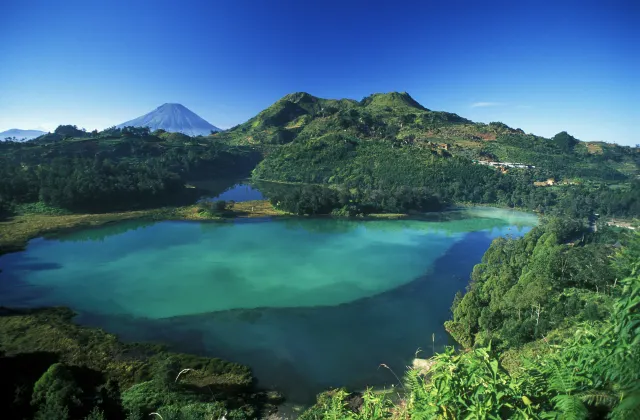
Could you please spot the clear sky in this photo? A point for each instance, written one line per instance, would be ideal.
(543, 66)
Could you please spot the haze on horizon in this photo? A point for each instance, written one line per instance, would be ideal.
(545, 67)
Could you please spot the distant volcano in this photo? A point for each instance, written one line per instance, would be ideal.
(21, 134)
(173, 118)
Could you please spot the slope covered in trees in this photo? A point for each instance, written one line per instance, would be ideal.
(526, 287)
(387, 141)
(375, 149)
(115, 169)
(401, 121)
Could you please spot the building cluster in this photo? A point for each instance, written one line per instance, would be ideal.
(548, 182)
(504, 164)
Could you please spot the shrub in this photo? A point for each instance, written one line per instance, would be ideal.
(56, 394)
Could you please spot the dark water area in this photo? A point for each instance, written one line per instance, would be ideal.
(239, 193)
(238, 190)
(307, 303)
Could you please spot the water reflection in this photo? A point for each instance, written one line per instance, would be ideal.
(99, 233)
(237, 190)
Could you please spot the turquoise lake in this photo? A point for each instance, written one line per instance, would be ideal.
(308, 303)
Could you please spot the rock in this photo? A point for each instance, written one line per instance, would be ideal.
(354, 401)
(423, 366)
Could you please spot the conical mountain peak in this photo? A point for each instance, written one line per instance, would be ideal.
(173, 117)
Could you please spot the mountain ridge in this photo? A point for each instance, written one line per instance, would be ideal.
(173, 117)
(20, 134)
(327, 137)
(295, 110)
(379, 115)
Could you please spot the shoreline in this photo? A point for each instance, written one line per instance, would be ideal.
(41, 333)
(243, 210)
(16, 231)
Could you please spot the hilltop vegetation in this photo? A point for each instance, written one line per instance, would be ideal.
(400, 121)
(389, 141)
(301, 116)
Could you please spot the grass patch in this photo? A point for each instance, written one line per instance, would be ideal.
(16, 231)
(52, 331)
(257, 208)
(389, 216)
(144, 378)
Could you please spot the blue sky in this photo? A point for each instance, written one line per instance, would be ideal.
(543, 66)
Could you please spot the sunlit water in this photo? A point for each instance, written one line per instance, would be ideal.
(307, 303)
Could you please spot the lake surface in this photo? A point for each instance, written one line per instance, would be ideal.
(224, 189)
(307, 303)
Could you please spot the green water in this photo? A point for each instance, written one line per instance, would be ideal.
(307, 303)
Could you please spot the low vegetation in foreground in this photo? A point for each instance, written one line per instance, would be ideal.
(54, 369)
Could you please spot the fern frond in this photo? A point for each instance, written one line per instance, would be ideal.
(599, 398)
(629, 407)
(561, 377)
(571, 407)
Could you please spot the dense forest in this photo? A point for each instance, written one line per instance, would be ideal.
(524, 288)
(317, 199)
(374, 169)
(388, 142)
(113, 170)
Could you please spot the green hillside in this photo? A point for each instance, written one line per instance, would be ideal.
(389, 141)
(400, 121)
(302, 116)
(114, 169)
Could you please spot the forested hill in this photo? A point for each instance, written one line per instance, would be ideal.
(399, 118)
(399, 121)
(385, 153)
(116, 169)
(389, 153)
